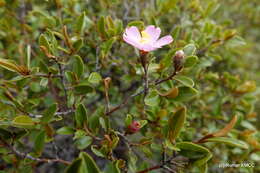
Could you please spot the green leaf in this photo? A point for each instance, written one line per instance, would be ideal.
(189, 49)
(176, 122)
(75, 166)
(176, 32)
(80, 115)
(143, 123)
(190, 61)
(229, 141)
(236, 41)
(78, 66)
(128, 120)
(88, 164)
(44, 82)
(78, 45)
(97, 152)
(107, 45)
(192, 147)
(101, 27)
(186, 93)
(49, 113)
(138, 24)
(80, 23)
(195, 151)
(94, 78)
(65, 130)
(186, 81)
(23, 120)
(113, 167)
(83, 142)
(152, 99)
(43, 41)
(9, 65)
(39, 142)
(83, 89)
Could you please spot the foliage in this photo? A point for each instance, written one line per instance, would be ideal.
(73, 96)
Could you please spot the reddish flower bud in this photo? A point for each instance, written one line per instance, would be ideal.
(178, 60)
(133, 127)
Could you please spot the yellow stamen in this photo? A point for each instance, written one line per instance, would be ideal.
(145, 37)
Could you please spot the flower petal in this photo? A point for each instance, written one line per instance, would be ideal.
(133, 33)
(164, 41)
(132, 41)
(148, 47)
(153, 32)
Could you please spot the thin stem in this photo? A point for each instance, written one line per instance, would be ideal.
(126, 100)
(25, 155)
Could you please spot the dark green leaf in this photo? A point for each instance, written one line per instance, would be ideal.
(88, 164)
(65, 130)
(49, 113)
(83, 142)
(80, 115)
(39, 142)
(78, 66)
(176, 123)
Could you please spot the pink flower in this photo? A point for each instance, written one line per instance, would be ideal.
(148, 40)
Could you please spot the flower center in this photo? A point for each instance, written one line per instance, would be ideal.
(145, 37)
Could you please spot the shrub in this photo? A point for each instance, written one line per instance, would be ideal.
(75, 97)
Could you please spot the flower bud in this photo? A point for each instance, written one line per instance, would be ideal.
(133, 127)
(178, 60)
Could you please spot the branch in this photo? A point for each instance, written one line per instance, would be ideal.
(25, 155)
(126, 100)
(173, 160)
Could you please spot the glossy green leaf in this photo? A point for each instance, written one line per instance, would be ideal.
(128, 120)
(190, 61)
(186, 81)
(101, 26)
(152, 99)
(83, 89)
(81, 115)
(23, 120)
(78, 44)
(136, 23)
(176, 123)
(78, 66)
(189, 49)
(186, 93)
(80, 23)
(229, 141)
(94, 78)
(65, 130)
(196, 152)
(75, 166)
(83, 142)
(43, 41)
(88, 164)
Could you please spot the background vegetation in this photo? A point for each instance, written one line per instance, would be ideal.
(72, 90)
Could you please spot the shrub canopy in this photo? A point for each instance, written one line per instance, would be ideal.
(75, 97)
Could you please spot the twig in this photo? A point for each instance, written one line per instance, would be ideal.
(125, 101)
(25, 155)
(61, 70)
(166, 79)
(57, 113)
(164, 164)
